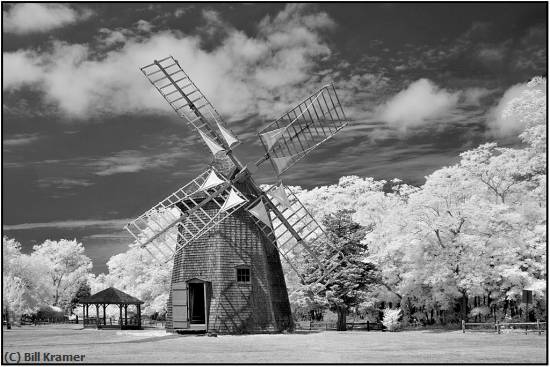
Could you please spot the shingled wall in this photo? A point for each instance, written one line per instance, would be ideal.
(261, 306)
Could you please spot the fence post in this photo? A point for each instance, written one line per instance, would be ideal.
(538, 325)
(463, 326)
(498, 327)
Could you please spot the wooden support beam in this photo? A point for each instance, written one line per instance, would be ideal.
(97, 314)
(139, 315)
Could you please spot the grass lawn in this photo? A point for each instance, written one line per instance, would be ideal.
(155, 346)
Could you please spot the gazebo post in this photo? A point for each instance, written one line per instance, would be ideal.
(139, 315)
(120, 317)
(126, 315)
(97, 314)
(104, 316)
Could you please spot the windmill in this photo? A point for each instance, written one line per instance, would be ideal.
(229, 234)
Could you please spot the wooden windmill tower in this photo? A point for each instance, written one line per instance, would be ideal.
(229, 234)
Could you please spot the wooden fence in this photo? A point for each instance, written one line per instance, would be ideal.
(331, 325)
(538, 327)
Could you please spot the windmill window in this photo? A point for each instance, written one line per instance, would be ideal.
(243, 275)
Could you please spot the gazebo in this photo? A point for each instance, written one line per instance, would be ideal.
(108, 297)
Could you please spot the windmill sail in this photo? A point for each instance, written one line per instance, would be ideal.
(186, 215)
(313, 121)
(298, 221)
(186, 99)
(211, 144)
(269, 138)
(281, 196)
(260, 213)
(211, 181)
(233, 199)
(228, 136)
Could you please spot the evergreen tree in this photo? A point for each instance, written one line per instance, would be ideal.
(346, 286)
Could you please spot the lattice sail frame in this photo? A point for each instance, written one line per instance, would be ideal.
(300, 130)
(310, 231)
(181, 93)
(168, 229)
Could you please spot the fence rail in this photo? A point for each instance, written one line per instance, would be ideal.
(539, 326)
(331, 325)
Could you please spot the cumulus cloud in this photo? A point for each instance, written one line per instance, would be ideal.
(242, 75)
(26, 18)
(109, 37)
(19, 68)
(501, 125)
(420, 103)
(144, 25)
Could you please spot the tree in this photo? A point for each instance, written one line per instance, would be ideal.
(23, 285)
(137, 273)
(68, 268)
(350, 280)
(84, 291)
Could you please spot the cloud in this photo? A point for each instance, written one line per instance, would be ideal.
(474, 96)
(111, 37)
(242, 75)
(144, 25)
(130, 161)
(34, 17)
(19, 139)
(19, 69)
(62, 182)
(181, 11)
(491, 55)
(501, 125)
(104, 223)
(420, 103)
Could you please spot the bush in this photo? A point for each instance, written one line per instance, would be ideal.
(391, 319)
(50, 313)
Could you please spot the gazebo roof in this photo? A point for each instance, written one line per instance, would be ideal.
(111, 296)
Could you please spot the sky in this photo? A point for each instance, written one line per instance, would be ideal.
(88, 144)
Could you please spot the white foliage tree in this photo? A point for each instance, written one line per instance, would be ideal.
(23, 281)
(67, 266)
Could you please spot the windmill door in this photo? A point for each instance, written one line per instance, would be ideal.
(198, 304)
(179, 305)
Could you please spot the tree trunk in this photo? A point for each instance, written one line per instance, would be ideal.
(341, 323)
(56, 299)
(8, 324)
(405, 306)
(464, 306)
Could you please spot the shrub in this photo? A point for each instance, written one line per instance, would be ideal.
(391, 319)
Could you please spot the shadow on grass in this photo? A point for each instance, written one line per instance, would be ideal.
(152, 339)
(306, 332)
